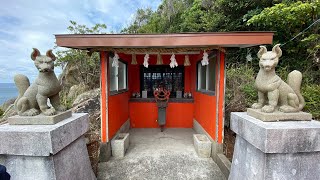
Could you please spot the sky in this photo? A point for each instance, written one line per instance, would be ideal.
(27, 24)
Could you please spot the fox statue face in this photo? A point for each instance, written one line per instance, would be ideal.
(269, 59)
(44, 63)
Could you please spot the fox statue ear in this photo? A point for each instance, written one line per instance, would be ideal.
(51, 55)
(35, 53)
(262, 50)
(276, 49)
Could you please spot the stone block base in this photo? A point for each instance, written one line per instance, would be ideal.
(279, 116)
(249, 163)
(39, 119)
(56, 152)
(202, 144)
(120, 144)
(275, 150)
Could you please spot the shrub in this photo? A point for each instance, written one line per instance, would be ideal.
(240, 91)
(311, 95)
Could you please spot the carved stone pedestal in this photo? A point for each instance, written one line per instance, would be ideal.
(275, 150)
(56, 152)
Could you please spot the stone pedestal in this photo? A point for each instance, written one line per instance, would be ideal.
(120, 144)
(55, 152)
(202, 144)
(275, 150)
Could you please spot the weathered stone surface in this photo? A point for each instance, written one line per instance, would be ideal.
(154, 155)
(275, 150)
(39, 119)
(8, 113)
(249, 163)
(120, 144)
(76, 90)
(273, 92)
(277, 137)
(71, 163)
(202, 145)
(7, 103)
(279, 116)
(47, 151)
(85, 96)
(41, 140)
(92, 107)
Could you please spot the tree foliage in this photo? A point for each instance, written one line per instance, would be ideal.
(87, 67)
(290, 19)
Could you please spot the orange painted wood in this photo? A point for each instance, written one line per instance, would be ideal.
(205, 112)
(180, 115)
(118, 105)
(205, 106)
(118, 112)
(103, 65)
(145, 115)
(221, 97)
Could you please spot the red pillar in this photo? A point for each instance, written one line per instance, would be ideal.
(221, 96)
(104, 95)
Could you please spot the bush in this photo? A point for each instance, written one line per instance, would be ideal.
(311, 95)
(240, 91)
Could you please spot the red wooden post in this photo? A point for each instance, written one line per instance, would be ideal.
(222, 80)
(104, 95)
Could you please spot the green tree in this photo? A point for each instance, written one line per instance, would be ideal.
(141, 18)
(289, 19)
(77, 60)
(166, 19)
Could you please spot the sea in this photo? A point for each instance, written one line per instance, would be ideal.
(7, 91)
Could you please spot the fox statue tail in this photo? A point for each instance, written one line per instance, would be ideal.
(294, 81)
(22, 82)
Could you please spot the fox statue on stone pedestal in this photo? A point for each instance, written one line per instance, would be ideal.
(32, 100)
(273, 92)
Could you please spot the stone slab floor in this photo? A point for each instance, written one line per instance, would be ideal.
(160, 155)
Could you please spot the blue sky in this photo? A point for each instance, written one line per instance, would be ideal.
(25, 24)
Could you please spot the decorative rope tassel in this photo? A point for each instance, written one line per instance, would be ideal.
(173, 62)
(146, 59)
(134, 59)
(205, 59)
(186, 60)
(115, 62)
(159, 59)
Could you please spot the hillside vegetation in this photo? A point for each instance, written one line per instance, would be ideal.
(287, 18)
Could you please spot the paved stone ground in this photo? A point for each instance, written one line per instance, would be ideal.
(155, 155)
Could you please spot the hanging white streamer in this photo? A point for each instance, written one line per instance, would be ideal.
(205, 59)
(249, 57)
(173, 62)
(146, 59)
(115, 62)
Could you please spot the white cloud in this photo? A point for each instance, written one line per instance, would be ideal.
(28, 24)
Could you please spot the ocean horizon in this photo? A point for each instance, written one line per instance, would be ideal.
(7, 91)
